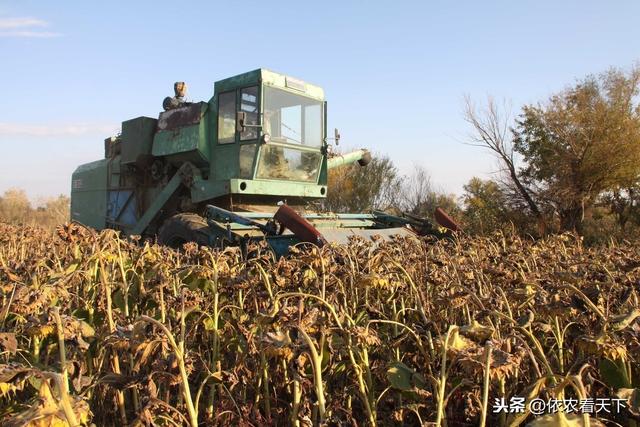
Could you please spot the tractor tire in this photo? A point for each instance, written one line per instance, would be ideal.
(184, 228)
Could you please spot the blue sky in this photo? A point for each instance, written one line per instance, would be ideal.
(394, 73)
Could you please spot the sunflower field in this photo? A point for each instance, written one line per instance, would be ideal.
(100, 330)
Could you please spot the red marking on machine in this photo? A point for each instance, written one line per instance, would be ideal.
(303, 229)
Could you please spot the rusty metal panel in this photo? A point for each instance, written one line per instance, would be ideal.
(181, 117)
(445, 220)
(182, 135)
(298, 225)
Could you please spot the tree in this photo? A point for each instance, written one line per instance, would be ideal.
(491, 131)
(53, 211)
(417, 196)
(583, 141)
(420, 198)
(15, 206)
(624, 203)
(485, 206)
(354, 188)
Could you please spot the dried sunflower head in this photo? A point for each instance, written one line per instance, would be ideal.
(375, 281)
(477, 331)
(366, 336)
(602, 346)
(455, 300)
(457, 344)
(501, 364)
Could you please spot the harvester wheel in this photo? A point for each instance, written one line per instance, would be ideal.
(183, 228)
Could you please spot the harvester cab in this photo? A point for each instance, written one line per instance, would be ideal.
(243, 166)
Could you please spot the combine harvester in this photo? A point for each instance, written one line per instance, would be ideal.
(243, 167)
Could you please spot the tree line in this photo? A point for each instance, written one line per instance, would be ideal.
(16, 208)
(568, 163)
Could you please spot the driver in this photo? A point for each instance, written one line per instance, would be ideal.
(180, 90)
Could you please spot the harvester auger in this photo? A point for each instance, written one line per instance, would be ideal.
(242, 167)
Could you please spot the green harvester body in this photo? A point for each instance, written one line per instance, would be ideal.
(260, 142)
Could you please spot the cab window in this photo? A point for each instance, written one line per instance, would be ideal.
(249, 105)
(227, 117)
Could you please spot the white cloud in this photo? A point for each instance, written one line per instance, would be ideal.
(70, 129)
(25, 28)
(31, 34)
(13, 23)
